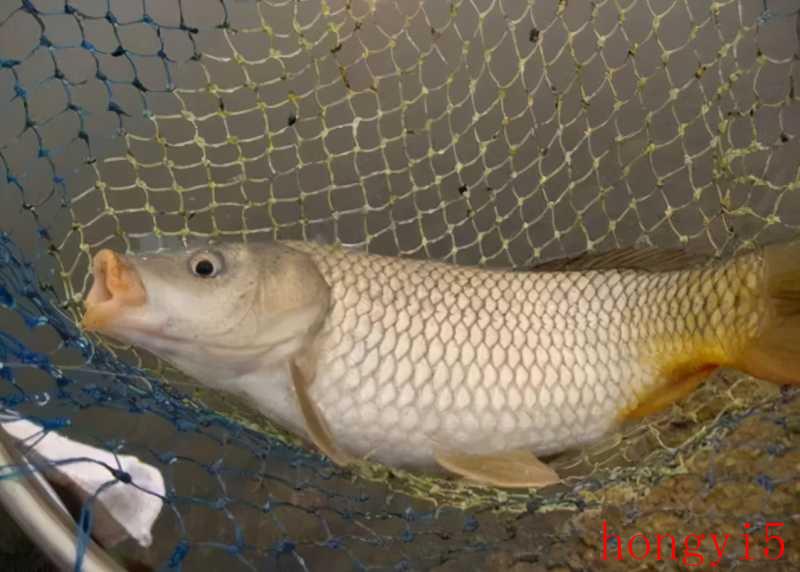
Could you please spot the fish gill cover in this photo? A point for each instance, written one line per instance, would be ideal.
(492, 132)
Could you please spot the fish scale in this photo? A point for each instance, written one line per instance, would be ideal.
(437, 355)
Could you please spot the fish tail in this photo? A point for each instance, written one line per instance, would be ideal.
(749, 308)
(773, 353)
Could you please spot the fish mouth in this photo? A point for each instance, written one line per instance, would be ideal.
(117, 287)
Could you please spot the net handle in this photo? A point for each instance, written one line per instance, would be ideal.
(46, 520)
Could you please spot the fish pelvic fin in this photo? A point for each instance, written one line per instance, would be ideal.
(315, 423)
(506, 469)
(773, 354)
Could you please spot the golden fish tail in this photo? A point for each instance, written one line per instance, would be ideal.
(773, 354)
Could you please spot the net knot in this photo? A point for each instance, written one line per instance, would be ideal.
(285, 547)
(54, 424)
(122, 476)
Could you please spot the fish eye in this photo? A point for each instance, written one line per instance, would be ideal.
(206, 264)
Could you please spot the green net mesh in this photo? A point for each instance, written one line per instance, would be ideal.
(492, 132)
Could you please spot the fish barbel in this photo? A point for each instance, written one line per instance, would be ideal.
(425, 364)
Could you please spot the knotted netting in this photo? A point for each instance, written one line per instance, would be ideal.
(492, 132)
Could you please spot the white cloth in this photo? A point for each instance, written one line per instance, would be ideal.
(120, 510)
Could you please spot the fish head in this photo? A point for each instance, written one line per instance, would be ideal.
(222, 310)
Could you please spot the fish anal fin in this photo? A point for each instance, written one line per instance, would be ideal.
(507, 469)
(316, 427)
(646, 259)
(676, 384)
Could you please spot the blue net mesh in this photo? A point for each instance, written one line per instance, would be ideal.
(483, 132)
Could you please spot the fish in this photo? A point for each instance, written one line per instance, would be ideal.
(437, 367)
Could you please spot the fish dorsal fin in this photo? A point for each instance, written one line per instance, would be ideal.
(315, 423)
(507, 469)
(647, 259)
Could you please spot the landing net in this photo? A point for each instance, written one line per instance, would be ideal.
(489, 132)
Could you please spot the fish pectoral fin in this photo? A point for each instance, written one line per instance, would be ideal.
(315, 423)
(509, 469)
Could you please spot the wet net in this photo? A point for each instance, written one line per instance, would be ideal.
(491, 132)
